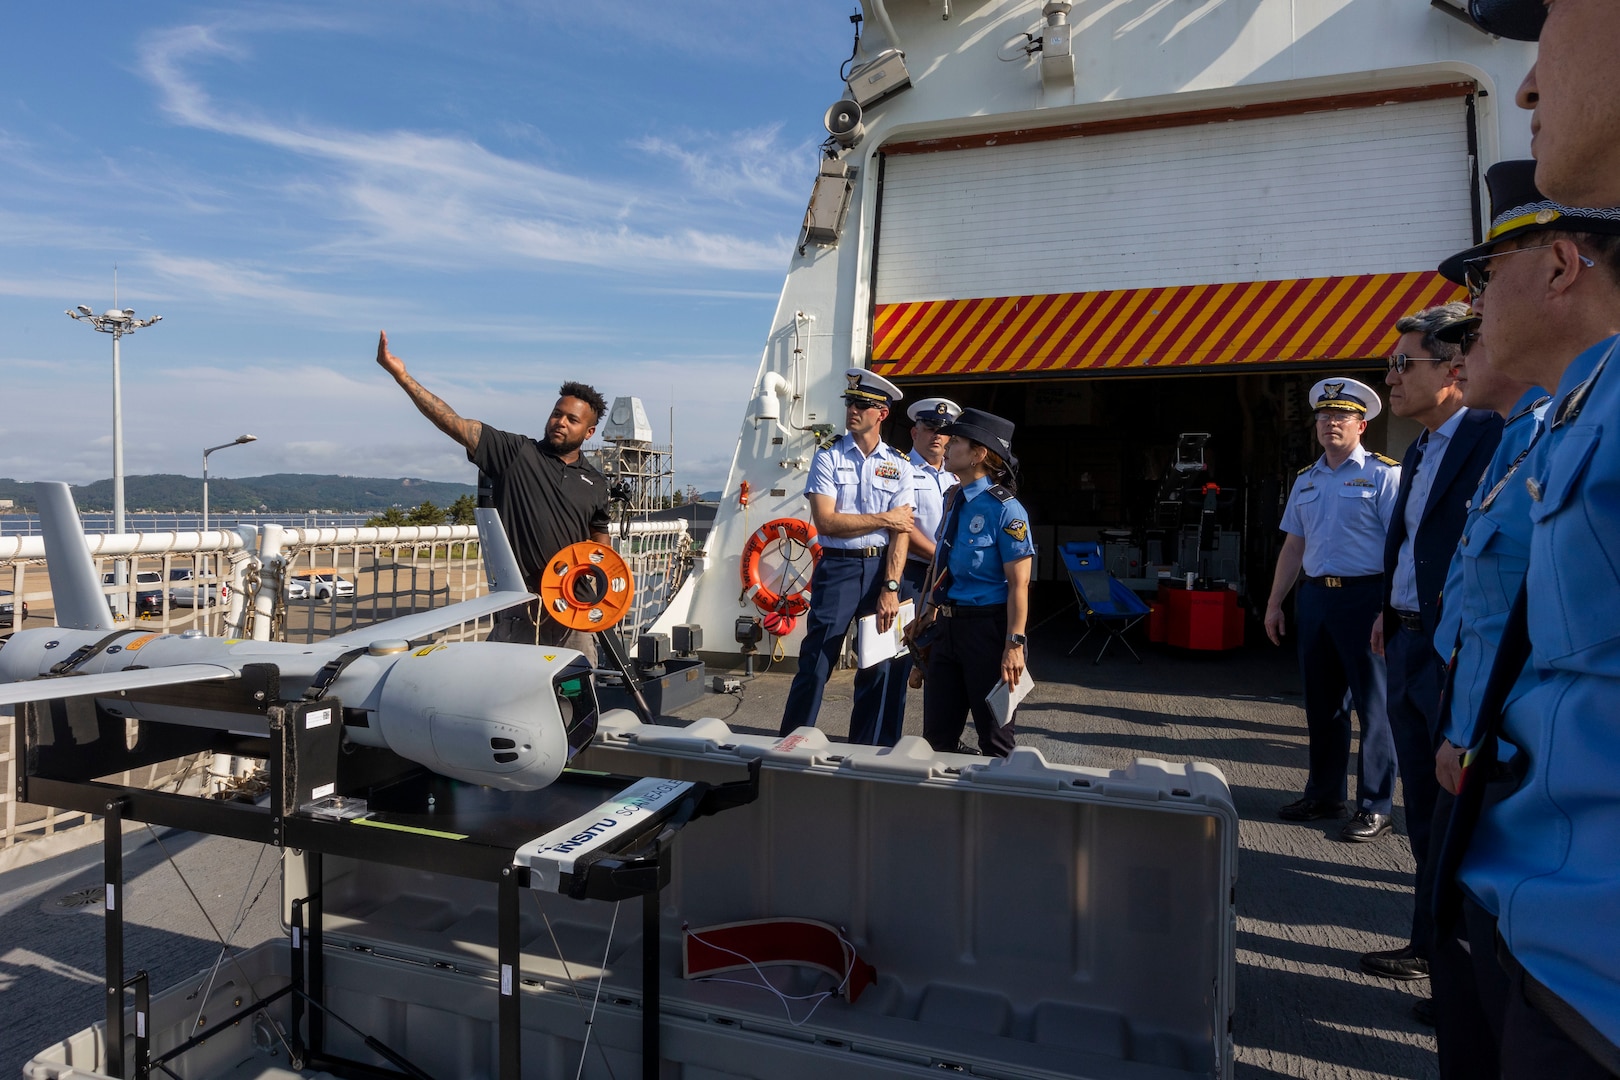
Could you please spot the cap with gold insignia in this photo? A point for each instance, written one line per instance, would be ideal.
(866, 388)
(1518, 209)
(1346, 394)
(934, 411)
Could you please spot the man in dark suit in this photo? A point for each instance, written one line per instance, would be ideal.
(1442, 468)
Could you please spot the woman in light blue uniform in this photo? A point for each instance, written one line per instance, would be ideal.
(982, 565)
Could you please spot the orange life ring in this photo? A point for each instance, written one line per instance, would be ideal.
(779, 530)
(587, 586)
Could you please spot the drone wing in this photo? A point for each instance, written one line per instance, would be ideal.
(53, 687)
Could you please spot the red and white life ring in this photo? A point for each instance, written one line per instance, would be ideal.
(794, 601)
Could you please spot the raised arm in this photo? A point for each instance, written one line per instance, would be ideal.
(466, 432)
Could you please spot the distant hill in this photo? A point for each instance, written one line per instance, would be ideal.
(282, 493)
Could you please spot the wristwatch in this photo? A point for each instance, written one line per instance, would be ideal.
(892, 585)
(1017, 639)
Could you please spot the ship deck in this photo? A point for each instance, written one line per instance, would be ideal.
(1308, 905)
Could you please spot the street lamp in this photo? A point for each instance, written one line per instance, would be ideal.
(117, 323)
(238, 441)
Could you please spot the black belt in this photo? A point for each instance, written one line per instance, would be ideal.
(1410, 620)
(852, 553)
(1333, 581)
(971, 611)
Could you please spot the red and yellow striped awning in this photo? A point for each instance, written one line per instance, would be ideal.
(1255, 322)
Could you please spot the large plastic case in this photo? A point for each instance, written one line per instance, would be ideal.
(1027, 920)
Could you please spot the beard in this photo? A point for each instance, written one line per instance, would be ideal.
(558, 441)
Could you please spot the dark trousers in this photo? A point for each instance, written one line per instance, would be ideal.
(1469, 986)
(517, 625)
(891, 720)
(1339, 669)
(964, 665)
(1535, 1047)
(1415, 677)
(841, 590)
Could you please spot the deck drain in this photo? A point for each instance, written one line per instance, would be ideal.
(91, 899)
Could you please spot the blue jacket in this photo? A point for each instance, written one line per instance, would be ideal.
(1547, 857)
(1466, 457)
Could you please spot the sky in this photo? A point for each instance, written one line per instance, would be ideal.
(518, 192)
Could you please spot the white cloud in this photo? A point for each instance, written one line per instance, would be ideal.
(431, 198)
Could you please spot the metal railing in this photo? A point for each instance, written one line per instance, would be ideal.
(392, 572)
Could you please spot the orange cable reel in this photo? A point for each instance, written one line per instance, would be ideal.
(787, 595)
(587, 586)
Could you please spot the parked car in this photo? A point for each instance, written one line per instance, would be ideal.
(148, 593)
(195, 590)
(320, 583)
(8, 607)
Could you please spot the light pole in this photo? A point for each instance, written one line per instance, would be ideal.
(117, 323)
(238, 441)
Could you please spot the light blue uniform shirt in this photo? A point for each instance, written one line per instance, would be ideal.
(1403, 589)
(928, 506)
(1343, 514)
(989, 533)
(1487, 570)
(860, 484)
(1546, 859)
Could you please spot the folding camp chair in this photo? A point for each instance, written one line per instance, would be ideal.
(1105, 604)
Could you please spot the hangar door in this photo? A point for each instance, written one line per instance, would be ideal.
(1206, 240)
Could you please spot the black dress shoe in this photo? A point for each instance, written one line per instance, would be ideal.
(1403, 964)
(1309, 809)
(1423, 1011)
(1363, 826)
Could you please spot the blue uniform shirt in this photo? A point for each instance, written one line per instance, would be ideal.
(1487, 570)
(1546, 859)
(928, 507)
(1343, 513)
(988, 533)
(860, 484)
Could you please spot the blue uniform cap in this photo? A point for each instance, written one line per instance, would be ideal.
(1520, 20)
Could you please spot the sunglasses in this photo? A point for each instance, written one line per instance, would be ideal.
(1476, 275)
(1399, 362)
(861, 403)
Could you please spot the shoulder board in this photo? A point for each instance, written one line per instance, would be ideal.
(1385, 459)
(1001, 494)
(1306, 469)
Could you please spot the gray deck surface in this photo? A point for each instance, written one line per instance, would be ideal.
(1308, 904)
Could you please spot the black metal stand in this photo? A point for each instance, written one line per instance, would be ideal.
(112, 873)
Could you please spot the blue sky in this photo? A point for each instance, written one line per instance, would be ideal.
(518, 192)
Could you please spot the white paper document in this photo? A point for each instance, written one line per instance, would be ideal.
(1002, 703)
(872, 647)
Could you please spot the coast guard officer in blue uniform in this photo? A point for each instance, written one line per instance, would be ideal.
(931, 481)
(981, 587)
(861, 492)
(1545, 858)
(1337, 515)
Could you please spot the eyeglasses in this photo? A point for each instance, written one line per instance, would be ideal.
(1469, 339)
(932, 425)
(1337, 419)
(1476, 275)
(1398, 362)
(861, 403)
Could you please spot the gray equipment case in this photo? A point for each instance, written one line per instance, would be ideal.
(1025, 919)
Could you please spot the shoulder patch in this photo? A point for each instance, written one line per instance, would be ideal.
(1001, 493)
(1385, 459)
(1018, 530)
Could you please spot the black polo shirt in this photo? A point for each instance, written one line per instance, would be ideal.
(545, 503)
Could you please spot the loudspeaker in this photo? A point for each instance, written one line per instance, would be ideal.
(843, 122)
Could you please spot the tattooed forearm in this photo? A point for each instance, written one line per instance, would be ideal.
(464, 431)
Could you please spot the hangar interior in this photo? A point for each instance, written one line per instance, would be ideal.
(1099, 462)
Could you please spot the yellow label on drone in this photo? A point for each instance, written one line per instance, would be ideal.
(427, 649)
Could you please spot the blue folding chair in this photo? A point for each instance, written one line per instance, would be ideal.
(1106, 605)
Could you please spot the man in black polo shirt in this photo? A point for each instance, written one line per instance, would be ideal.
(548, 497)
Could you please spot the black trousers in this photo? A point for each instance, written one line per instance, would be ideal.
(1415, 678)
(964, 665)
